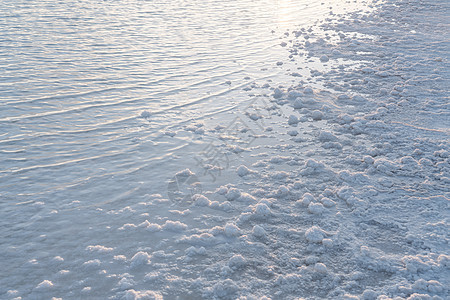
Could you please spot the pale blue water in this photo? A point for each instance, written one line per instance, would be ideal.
(76, 75)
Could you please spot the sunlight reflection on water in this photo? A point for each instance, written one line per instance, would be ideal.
(76, 75)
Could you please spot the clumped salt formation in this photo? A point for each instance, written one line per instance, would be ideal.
(232, 194)
(145, 114)
(294, 94)
(200, 200)
(316, 208)
(99, 248)
(193, 251)
(293, 120)
(298, 103)
(317, 115)
(44, 285)
(92, 264)
(308, 90)
(139, 259)
(324, 58)
(184, 173)
(174, 226)
(320, 267)
(236, 262)
(306, 200)
(243, 170)
(326, 136)
(278, 93)
(292, 132)
(231, 230)
(315, 234)
(258, 231)
(327, 202)
(262, 210)
(142, 295)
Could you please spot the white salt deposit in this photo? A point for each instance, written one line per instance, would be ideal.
(278, 93)
(258, 231)
(316, 208)
(243, 170)
(44, 285)
(184, 173)
(236, 262)
(262, 210)
(298, 103)
(231, 230)
(292, 132)
(139, 259)
(320, 267)
(314, 234)
(324, 58)
(233, 194)
(293, 120)
(308, 90)
(174, 226)
(307, 199)
(316, 115)
(142, 295)
(200, 200)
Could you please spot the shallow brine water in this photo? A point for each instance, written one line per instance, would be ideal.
(76, 76)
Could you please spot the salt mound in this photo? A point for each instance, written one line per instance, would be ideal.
(262, 210)
(277, 93)
(200, 200)
(174, 226)
(236, 262)
(298, 103)
(225, 290)
(292, 132)
(326, 136)
(44, 285)
(324, 58)
(243, 170)
(308, 90)
(92, 264)
(140, 258)
(316, 208)
(231, 230)
(293, 120)
(315, 234)
(142, 295)
(320, 267)
(294, 94)
(185, 173)
(99, 248)
(192, 251)
(232, 194)
(258, 231)
(307, 199)
(327, 202)
(316, 115)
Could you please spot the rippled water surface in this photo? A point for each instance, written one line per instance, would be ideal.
(76, 75)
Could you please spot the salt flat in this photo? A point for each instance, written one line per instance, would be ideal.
(317, 169)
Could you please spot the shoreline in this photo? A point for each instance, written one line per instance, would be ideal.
(297, 193)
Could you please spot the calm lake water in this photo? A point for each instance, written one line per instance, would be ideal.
(76, 76)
